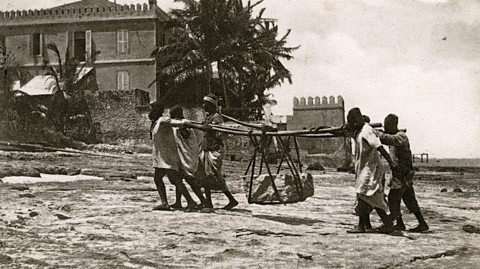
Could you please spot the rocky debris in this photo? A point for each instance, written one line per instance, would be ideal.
(18, 170)
(19, 188)
(263, 192)
(316, 166)
(123, 177)
(457, 190)
(66, 208)
(58, 170)
(444, 190)
(5, 259)
(33, 214)
(53, 170)
(305, 256)
(106, 148)
(471, 229)
(26, 195)
(62, 217)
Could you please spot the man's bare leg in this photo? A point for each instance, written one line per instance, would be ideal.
(232, 201)
(176, 180)
(197, 190)
(208, 198)
(158, 179)
(178, 199)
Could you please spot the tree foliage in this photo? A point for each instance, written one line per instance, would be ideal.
(244, 46)
(68, 105)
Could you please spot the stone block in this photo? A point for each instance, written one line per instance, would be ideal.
(262, 190)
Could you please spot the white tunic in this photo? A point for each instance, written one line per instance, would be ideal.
(369, 171)
(165, 154)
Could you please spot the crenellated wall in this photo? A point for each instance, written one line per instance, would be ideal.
(310, 112)
(313, 103)
(66, 14)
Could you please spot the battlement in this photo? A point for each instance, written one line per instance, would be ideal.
(317, 102)
(73, 14)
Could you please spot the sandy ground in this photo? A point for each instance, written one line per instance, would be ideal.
(109, 223)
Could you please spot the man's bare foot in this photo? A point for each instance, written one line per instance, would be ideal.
(162, 207)
(419, 229)
(191, 207)
(356, 230)
(231, 205)
(176, 206)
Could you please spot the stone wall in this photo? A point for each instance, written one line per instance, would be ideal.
(118, 117)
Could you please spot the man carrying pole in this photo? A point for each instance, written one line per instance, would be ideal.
(402, 180)
(368, 173)
(211, 154)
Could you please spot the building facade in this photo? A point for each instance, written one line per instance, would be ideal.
(117, 40)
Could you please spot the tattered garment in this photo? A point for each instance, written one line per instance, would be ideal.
(211, 166)
(165, 154)
(188, 150)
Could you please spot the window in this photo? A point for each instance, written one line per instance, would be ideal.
(88, 44)
(123, 80)
(82, 45)
(122, 41)
(142, 98)
(37, 44)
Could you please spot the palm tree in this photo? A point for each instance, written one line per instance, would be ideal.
(244, 48)
(68, 104)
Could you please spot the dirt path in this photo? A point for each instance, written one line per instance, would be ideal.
(110, 224)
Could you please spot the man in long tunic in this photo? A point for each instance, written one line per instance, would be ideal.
(188, 149)
(401, 186)
(166, 160)
(369, 173)
(211, 154)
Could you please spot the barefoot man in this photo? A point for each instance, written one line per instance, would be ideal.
(368, 173)
(166, 160)
(211, 154)
(188, 149)
(402, 180)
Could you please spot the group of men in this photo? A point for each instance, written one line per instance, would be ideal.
(178, 154)
(370, 174)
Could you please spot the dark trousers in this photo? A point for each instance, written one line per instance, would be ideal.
(395, 197)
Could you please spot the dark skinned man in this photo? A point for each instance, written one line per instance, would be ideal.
(369, 173)
(402, 180)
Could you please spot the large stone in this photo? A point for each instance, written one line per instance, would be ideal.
(263, 192)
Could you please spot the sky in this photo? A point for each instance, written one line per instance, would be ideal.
(418, 59)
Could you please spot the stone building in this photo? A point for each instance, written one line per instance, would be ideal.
(118, 39)
(115, 40)
(312, 112)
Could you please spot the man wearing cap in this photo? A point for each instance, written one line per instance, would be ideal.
(211, 154)
(368, 173)
(401, 186)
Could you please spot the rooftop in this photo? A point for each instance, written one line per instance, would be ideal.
(82, 11)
